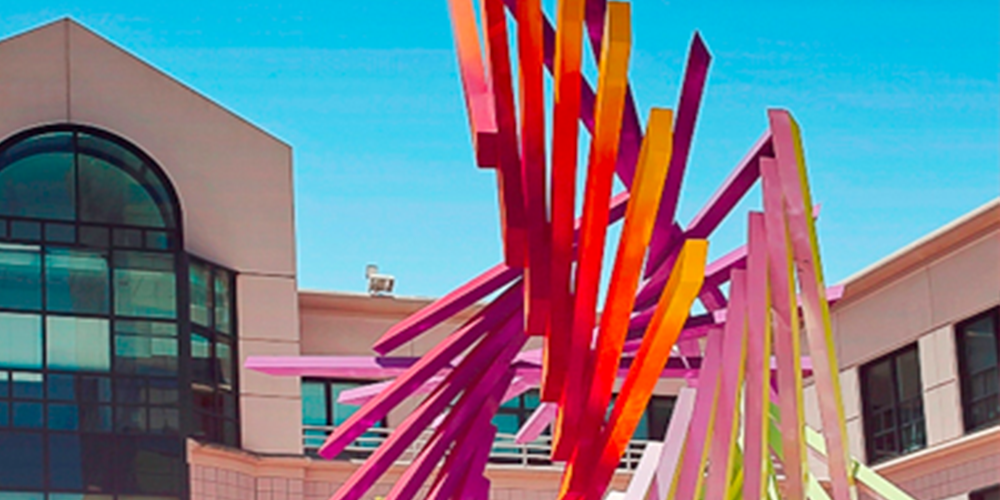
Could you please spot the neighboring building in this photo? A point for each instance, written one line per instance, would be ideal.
(147, 247)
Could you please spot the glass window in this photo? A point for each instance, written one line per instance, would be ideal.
(978, 343)
(80, 462)
(26, 385)
(201, 298)
(60, 233)
(224, 359)
(145, 355)
(149, 465)
(893, 405)
(4, 414)
(223, 301)
(27, 415)
(201, 360)
(314, 409)
(109, 194)
(21, 460)
(37, 178)
(78, 343)
(659, 411)
(63, 417)
(76, 281)
(145, 284)
(20, 277)
(25, 230)
(20, 340)
(991, 493)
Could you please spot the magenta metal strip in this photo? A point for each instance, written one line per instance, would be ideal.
(436, 359)
(758, 379)
(536, 423)
(699, 435)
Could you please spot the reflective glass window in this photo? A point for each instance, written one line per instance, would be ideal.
(145, 284)
(76, 281)
(26, 415)
(201, 360)
(150, 465)
(978, 343)
(20, 340)
(145, 355)
(26, 385)
(201, 296)
(223, 301)
(20, 277)
(893, 405)
(37, 178)
(109, 193)
(224, 358)
(78, 343)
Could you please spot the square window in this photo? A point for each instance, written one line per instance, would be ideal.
(78, 343)
(130, 419)
(27, 385)
(127, 238)
(145, 355)
(60, 233)
(20, 340)
(76, 281)
(63, 417)
(80, 462)
(20, 277)
(94, 237)
(145, 285)
(61, 387)
(95, 418)
(27, 415)
(20, 460)
(24, 230)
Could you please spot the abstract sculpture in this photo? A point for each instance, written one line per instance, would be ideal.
(741, 416)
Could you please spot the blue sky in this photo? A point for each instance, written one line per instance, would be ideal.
(899, 103)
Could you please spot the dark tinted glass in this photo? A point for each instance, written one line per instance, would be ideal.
(60, 233)
(145, 355)
(26, 415)
(20, 277)
(76, 281)
(80, 463)
(201, 360)
(25, 230)
(150, 465)
(977, 341)
(109, 190)
(659, 409)
(64, 417)
(36, 178)
(26, 385)
(21, 460)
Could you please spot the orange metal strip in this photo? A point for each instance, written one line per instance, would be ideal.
(654, 158)
(478, 95)
(664, 329)
(611, 86)
(565, 133)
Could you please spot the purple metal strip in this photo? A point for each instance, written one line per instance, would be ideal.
(436, 359)
(477, 405)
(692, 89)
(468, 370)
(445, 307)
(469, 461)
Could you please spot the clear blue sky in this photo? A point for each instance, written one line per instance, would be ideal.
(899, 104)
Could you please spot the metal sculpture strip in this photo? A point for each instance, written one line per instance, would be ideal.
(740, 418)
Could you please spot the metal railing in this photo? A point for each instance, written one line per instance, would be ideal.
(505, 451)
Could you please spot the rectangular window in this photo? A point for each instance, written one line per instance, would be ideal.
(76, 281)
(893, 405)
(991, 493)
(20, 277)
(20, 340)
(145, 285)
(78, 344)
(321, 411)
(978, 345)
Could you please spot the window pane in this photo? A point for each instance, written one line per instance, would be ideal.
(20, 460)
(26, 385)
(62, 233)
(63, 417)
(37, 178)
(223, 301)
(157, 328)
(341, 411)
(78, 344)
(27, 415)
(164, 420)
(880, 388)
(4, 414)
(145, 284)
(659, 409)
(313, 403)
(61, 387)
(201, 360)
(224, 357)
(80, 463)
(145, 355)
(20, 277)
(25, 230)
(4, 384)
(130, 419)
(96, 237)
(163, 391)
(150, 465)
(109, 193)
(908, 375)
(980, 341)
(20, 340)
(201, 296)
(76, 281)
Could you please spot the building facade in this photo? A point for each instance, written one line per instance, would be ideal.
(147, 247)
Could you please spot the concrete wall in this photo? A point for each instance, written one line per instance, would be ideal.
(234, 182)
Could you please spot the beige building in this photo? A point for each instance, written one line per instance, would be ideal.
(132, 289)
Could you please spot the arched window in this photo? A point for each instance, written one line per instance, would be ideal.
(104, 347)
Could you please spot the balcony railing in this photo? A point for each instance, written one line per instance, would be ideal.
(505, 451)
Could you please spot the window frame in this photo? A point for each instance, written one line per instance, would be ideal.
(866, 417)
(963, 376)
